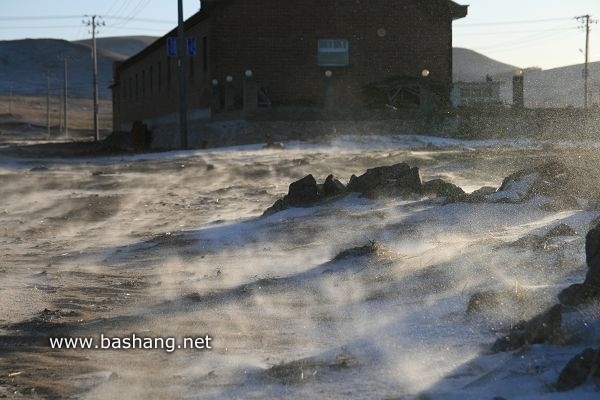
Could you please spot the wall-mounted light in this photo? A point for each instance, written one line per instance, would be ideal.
(425, 73)
(381, 32)
(248, 73)
(328, 74)
(229, 78)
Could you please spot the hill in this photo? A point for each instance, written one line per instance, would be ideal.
(24, 64)
(470, 66)
(122, 46)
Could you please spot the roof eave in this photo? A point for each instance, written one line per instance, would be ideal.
(458, 11)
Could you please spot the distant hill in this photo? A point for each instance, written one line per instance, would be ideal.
(470, 66)
(557, 87)
(24, 64)
(560, 87)
(122, 47)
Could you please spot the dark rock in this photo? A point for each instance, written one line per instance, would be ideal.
(589, 290)
(483, 300)
(141, 136)
(550, 174)
(333, 187)
(484, 191)
(279, 205)
(441, 188)
(395, 180)
(479, 195)
(579, 294)
(592, 256)
(560, 230)
(305, 192)
(552, 180)
(369, 249)
(579, 370)
(542, 328)
(512, 302)
(302, 192)
(309, 369)
(532, 242)
(274, 145)
(119, 140)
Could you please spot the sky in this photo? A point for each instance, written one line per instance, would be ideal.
(540, 33)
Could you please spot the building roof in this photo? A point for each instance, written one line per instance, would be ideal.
(458, 11)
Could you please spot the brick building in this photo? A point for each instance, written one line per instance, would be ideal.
(290, 47)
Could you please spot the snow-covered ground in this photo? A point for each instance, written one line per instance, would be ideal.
(173, 245)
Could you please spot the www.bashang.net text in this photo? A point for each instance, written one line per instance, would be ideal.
(132, 342)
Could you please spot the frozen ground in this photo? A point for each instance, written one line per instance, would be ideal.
(172, 245)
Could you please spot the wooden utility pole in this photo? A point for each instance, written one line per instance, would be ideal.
(65, 105)
(48, 102)
(586, 20)
(93, 23)
(181, 47)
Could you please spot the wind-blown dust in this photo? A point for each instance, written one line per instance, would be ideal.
(171, 245)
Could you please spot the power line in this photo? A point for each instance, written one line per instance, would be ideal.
(530, 21)
(31, 18)
(149, 20)
(114, 3)
(514, 32)
(525, 41)
(39, 27)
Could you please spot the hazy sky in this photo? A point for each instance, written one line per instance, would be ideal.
(524, 33)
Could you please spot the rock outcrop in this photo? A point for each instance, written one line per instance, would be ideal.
(589, 290)
(543, 328)
(388, 181)
(552, 180)
(306, 192)
(579, 370)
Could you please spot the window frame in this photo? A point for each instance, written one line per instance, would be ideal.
(328, 47)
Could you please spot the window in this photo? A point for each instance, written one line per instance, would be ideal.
(205, 54)
(159, 76)
(151, 78)
(168, 72)
(333, 52)
(143, 83)
(137, 86)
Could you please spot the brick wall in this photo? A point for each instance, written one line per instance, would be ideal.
(277, 40)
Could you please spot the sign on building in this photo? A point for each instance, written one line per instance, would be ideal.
(171, 47)
(191, 46)
(192, 49)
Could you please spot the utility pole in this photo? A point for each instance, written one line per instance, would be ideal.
(65, 90)
(93, 24)
(181, 77)
(586, 20)
(48, 102)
